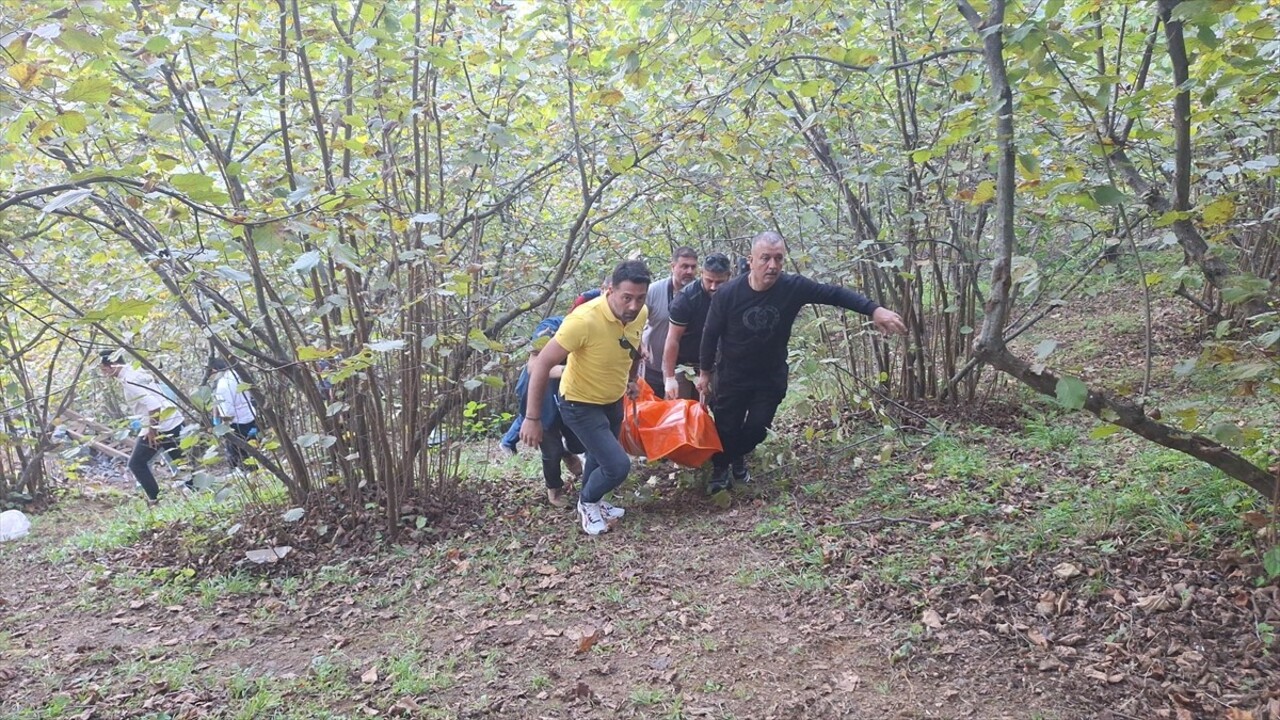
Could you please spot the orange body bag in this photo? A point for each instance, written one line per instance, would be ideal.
(679, 430)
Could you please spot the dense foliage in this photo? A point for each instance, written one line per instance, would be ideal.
(380, 196)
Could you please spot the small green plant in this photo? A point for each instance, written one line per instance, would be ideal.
(1267, 634)
(1271, 563)
(648, 696)
(477, 423)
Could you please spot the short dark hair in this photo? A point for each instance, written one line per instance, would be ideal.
(219, 364)
(111, 357)
(744, 266)
(684, 251)
(716, 263)
(632, 271)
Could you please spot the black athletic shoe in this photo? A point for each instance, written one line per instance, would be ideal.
(741, 475)
(720, 481)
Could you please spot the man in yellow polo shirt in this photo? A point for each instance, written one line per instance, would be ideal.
(601, 340)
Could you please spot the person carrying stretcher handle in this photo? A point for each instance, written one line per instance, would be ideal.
(600, 342)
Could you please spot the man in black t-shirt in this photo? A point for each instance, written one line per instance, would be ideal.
(745, 343)
(687, 315)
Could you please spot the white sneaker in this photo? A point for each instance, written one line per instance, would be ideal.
(611, 512)
(593, 522)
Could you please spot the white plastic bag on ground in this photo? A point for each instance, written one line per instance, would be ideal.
(13, 525)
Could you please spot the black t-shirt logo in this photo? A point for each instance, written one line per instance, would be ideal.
(761, 319)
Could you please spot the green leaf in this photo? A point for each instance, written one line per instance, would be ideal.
(1108, 195)
(306, 353)
(80, 41)
(1171, 217)
(117, 309)
(1071, 392)
(966, 83)
(922, 155)
(985, 192)
(161, 123)
(1271, 562)
(1024, 269)
(1242, 288)
(306, 261)
(89, 90)
(72, 122)
(191, 182)
(157, 44)
(1227, 434)
(1045, 349)
(1104, 431)
(1218, 212)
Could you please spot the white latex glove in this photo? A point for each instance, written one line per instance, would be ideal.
(671, 388)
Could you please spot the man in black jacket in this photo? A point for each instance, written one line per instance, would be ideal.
(745, 344)
(687, 315)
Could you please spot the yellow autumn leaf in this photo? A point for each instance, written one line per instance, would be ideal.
(1218, 212)
(26, 74)
(985, 192)
(43, 130)
(610, 97)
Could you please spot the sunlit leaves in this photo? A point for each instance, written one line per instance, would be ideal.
(1218, 212)
(198, 187)
(27, 75)
(117, 309)
(89, 90)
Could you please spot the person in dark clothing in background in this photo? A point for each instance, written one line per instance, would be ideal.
(745, 344)
(687, 315)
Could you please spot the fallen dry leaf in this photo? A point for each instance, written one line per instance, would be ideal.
(370, 676)
(931, 619)
(1255, 519)
(266, 556)
(407, 707)
(848, 682)
(587, 639)
(1066, 570)
(1038, 638)
(1156, 603)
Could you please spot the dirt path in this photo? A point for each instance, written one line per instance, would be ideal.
(682, 611)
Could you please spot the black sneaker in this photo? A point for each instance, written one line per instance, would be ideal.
(741, 475)
(720, 481)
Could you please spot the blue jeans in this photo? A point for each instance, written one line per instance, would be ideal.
(513, 435)
(596, 427)
(550, 414)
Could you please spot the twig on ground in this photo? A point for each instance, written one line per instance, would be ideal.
(882, 519)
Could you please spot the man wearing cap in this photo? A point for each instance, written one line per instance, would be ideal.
(600, 342)
(235, 407)
(160, 417)
(684, 268)
(688, 314)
